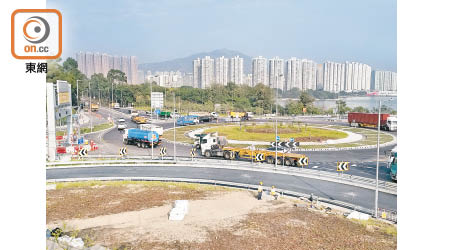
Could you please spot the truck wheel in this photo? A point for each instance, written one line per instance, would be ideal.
(279, 161)
(227, 155)
(270, 160)
(139, 145)
(288, 162)
(207, 153)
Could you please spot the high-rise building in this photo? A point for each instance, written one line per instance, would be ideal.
(319, 76)
(196, 73)
(309, 70)
(221, 70)
(259, 71)
(357, 77)
(294, 74)
(203, 72)
(97, 63)
(237, 70)
(89, 64)
(333, 76)
(105, 64)
(134, 71)
(125, 61)
(276, 73)
(116, 63)
(81, 60)
(207, 72)
(385, 81)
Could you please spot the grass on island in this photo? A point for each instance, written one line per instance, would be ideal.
(97, 128)
(266, 132)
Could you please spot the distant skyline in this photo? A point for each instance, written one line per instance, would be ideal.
(154, 31)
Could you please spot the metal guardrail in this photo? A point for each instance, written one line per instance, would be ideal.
(114, 160)
(392, 215)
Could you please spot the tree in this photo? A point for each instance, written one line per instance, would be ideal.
(360, 109)
(306, 99)
(116, 76)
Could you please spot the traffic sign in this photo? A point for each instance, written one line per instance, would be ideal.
(342, 166)
(193, 152)
(295, 144)
(304, 110)
(123, 151)
(163, 151)
(303, 161)
(259, 157)
(82, 152)
(291, 139)
(277, 138)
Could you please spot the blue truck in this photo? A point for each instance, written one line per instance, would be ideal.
(141, 138)
(187, 120)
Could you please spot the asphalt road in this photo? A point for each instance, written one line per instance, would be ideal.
(359, 196)
(362, 162)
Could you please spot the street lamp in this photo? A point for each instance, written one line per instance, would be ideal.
(378, 159)
(276, 123)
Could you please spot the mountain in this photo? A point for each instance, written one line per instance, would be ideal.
(185, 64)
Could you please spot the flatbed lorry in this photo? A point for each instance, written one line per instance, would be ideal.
(212, 145)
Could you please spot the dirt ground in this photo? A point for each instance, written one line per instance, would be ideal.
(221, 219)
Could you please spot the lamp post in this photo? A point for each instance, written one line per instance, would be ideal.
(276, 123)
(378, 159)
(90, 106)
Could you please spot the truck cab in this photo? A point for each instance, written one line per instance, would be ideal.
(212, 144)
(391, 124)
(392, 164)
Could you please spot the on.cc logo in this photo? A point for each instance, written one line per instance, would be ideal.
(36, 29)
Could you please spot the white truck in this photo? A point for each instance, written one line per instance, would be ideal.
(152, 127)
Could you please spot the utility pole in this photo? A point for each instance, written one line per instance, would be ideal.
(276, 125)
(112, 92)
(378, 159)
(174, 130)
(151, 109)
(90, 105)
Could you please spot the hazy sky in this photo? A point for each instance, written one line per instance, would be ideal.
(158, 30)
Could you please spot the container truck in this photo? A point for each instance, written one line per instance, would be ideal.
(152, 127)
(187, 120)
(141, 138)
(387, 121)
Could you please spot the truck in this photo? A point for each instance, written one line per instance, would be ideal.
(139, 119)
(164, 114)
(116, 105)
(141, 138)
(152, 127)
(187, 120)
(212, 145)
(94, 107)
(204, 116)
(242, 115)
(387, 121)
(392, 164)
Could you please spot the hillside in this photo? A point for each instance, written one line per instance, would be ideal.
(185, 64)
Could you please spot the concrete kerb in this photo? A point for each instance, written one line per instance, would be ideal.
(283, 192)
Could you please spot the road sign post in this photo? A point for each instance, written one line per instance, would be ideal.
(163, 152)
(123, 152)
(192, 153)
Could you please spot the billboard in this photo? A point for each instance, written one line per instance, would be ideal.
(157, 99)
(63, 94)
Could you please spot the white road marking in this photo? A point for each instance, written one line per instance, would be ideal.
(315, 167)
